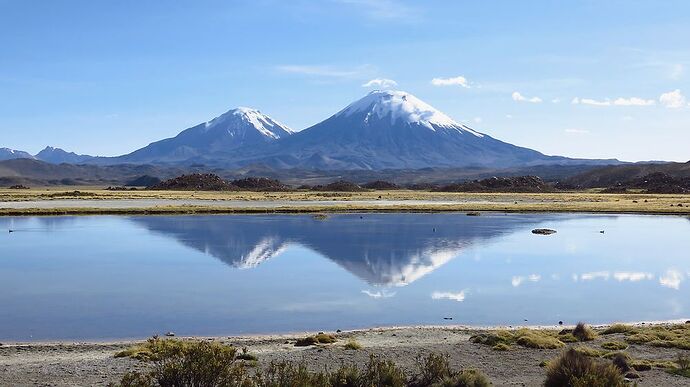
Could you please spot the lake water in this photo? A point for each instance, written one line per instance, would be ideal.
(106, 277)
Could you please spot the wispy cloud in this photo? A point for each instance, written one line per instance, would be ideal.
(620, 101)
(381, 82)
(576, 131)
(326, 71)
(589, 101)
(632, 276)
(454, 81)
(382, 9)
(673, 99)
(518, 280)
(521, 98)
(634, 101)
(379, 293)
(459, 296)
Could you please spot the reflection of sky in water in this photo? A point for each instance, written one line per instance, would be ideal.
(108, 277)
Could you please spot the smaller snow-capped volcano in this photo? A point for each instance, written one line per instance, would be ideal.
(240, 128)
(59, 156)
(402, 107)
(242, 119)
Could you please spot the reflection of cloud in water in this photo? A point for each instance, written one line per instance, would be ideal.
(518, 280)
(379, 293)
(621, 276)
(459, 296)
(672, 279)
(381, 249)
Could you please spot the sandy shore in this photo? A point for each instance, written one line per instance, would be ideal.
(91, 364)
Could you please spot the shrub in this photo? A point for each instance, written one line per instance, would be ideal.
(589, 351)
(466, 378)
(353, 344)
(573, 369)
(434, 370)
(539, 340)
(583, 332)
(501, 347)
(245, 355)
(622, 362)
(614, 345)
(379, 372)
(321, 338)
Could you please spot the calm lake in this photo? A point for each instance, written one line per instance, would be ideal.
(106, 277)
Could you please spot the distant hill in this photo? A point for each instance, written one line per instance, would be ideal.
(10, 154)
(59, 156)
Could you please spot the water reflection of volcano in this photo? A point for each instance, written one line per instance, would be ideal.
(381, 249)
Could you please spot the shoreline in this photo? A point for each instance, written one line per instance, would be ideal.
(95, 364)
(296, 334)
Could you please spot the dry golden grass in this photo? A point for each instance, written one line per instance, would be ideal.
(461, 202)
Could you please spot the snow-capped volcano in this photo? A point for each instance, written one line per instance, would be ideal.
(396, 130)
(240, 128)
(401, 107)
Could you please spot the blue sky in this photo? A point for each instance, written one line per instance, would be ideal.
(587, 78)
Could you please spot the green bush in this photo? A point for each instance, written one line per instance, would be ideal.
(573, 369)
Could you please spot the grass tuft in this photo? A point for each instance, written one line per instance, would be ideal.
(573, 369)
(618, 328)
(614, 345)
(583, 332)
(353, 345)
(321, 338)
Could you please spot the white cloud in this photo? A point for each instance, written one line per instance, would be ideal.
(455, 81)
(478, 120)
(521, 98)
(576, 131)
(673, 99)
(459, 297)
(589, 101)
(634, 101)
(381, 82)
(379, 294)
(594, 275)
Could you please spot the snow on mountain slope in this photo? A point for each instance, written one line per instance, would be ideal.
(240, 128)
(403, 107)
(9, 154)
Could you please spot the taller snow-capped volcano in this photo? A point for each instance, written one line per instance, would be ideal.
(239, 128)
(401, 107)
(395, 130)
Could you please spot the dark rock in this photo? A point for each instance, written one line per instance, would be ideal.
(543, 231)
(195, 182)
(632, 375)
(380, 185)
(19, 186)
(170, 334)
(560, 323)
(474, 214)
(260, 184)
(500, 184)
